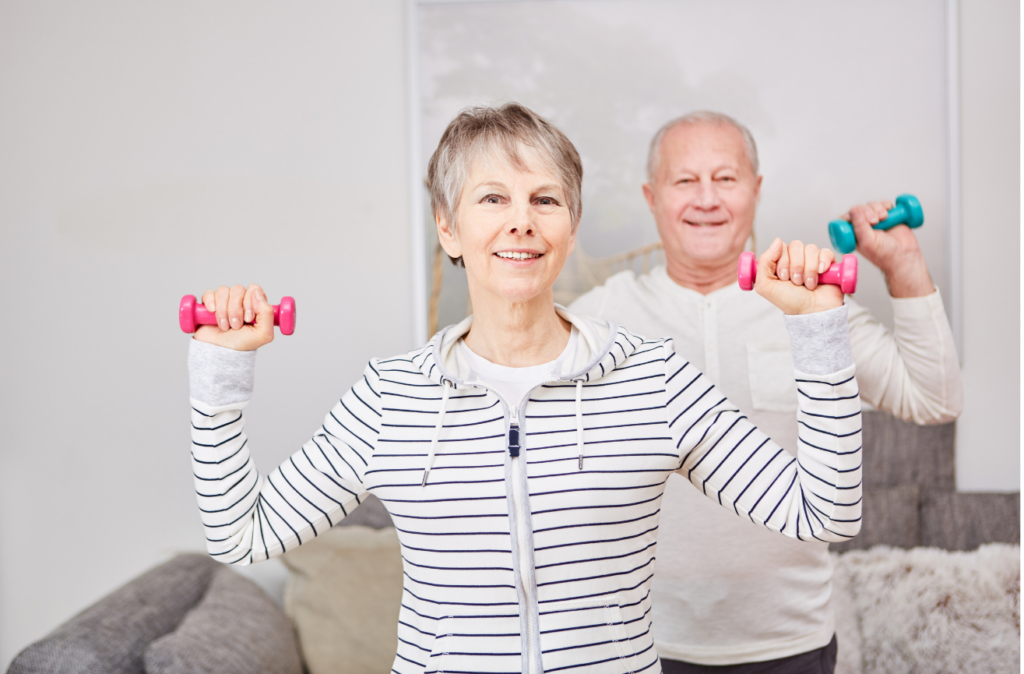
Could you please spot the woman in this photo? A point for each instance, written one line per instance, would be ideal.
(523, 453)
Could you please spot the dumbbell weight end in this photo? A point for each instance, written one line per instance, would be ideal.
(192, 314)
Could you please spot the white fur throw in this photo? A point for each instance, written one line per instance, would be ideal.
(928, 611)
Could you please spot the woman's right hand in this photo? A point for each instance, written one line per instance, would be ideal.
(245, 319)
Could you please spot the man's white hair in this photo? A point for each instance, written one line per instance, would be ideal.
(700, 117)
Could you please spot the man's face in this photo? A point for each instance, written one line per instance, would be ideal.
(703, 195)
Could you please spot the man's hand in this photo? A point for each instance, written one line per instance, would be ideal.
(801, 294)
(894, 251)
(245, 318)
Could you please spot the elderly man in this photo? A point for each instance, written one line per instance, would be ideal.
(729, 597)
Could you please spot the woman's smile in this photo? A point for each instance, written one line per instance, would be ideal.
(518, 257)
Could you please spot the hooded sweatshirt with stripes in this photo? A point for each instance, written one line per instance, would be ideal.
(528, 528)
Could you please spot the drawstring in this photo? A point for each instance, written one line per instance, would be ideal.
(579, 419)
(437, 432)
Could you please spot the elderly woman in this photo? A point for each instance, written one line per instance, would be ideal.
(523, 452)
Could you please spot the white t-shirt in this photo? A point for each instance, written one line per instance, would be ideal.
(513, 383)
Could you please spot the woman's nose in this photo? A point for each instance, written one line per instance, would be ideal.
(521, 222)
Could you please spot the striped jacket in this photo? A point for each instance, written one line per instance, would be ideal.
(528, 528)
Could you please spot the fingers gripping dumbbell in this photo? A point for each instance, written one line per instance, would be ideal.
(192, 314)
(906, 212)
(842, 274)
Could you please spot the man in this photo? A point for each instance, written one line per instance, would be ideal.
(727, 594)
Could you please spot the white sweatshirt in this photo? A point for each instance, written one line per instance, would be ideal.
(724, 591)
(528, 538)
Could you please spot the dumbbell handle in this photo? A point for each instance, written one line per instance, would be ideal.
(192, 314)
(842, 274)
(907, 211)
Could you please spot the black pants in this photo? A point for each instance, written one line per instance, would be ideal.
(819, 661)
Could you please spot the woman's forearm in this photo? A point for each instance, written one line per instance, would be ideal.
(812, 495)
(249, 517)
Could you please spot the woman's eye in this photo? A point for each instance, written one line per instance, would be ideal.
(491, 199)
(547, 201)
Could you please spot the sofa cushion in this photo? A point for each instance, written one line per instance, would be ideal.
(343, 597)
(890, 517)
(959, 521)
(111, 635)
(235, 629)
(930, 610)
(898, 452)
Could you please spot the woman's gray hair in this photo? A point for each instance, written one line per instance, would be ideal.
(478, 130)
(700, 117)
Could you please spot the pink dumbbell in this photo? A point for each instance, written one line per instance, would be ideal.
(192, 313)
(842, 274)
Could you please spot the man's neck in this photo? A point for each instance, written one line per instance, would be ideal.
(704, 278)
(517, 334)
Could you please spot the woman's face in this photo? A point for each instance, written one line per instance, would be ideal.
(513, 230)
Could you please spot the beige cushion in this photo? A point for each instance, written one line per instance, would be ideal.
(343, 597)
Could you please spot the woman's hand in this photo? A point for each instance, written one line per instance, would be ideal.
(245, 319)
(787, 276)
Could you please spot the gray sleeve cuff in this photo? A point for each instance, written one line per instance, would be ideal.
(821, 341)
(219, 376)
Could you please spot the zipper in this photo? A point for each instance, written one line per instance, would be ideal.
(519, 506)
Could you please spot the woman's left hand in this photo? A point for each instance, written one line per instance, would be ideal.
(787, 276)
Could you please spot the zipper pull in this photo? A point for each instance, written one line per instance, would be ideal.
(513, 439)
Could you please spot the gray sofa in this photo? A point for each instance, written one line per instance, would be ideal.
(194, 615)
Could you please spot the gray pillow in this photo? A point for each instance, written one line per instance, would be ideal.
(235, 629)
(109, 636)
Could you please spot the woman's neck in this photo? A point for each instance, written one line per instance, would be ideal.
(517, 334)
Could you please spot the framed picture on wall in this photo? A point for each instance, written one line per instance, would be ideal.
(848, 103)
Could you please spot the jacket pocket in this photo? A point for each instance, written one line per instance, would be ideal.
(475, 643)
(770, 369)
(589, 635)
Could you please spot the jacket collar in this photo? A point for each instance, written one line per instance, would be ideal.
(600, 347)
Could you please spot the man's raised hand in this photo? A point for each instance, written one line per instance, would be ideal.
(895, 251)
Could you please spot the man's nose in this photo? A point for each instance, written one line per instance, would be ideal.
(707, 194)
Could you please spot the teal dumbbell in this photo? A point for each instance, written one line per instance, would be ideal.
(907, 212)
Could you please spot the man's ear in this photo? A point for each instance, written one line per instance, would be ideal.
(446, 235)
(649, 196)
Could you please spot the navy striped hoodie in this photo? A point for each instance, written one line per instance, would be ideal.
(528, 528)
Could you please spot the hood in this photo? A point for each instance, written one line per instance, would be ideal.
(600, 347)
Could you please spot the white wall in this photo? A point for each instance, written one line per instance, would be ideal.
(988, 433)
(148, 150)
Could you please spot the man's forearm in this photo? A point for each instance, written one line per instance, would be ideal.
(910, 278)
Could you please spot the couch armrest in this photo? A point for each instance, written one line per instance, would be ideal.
(111, 635)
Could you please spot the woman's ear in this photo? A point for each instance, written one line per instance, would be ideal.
(447, 236)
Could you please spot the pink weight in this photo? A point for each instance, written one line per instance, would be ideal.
(192, 314)
(842, 274)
